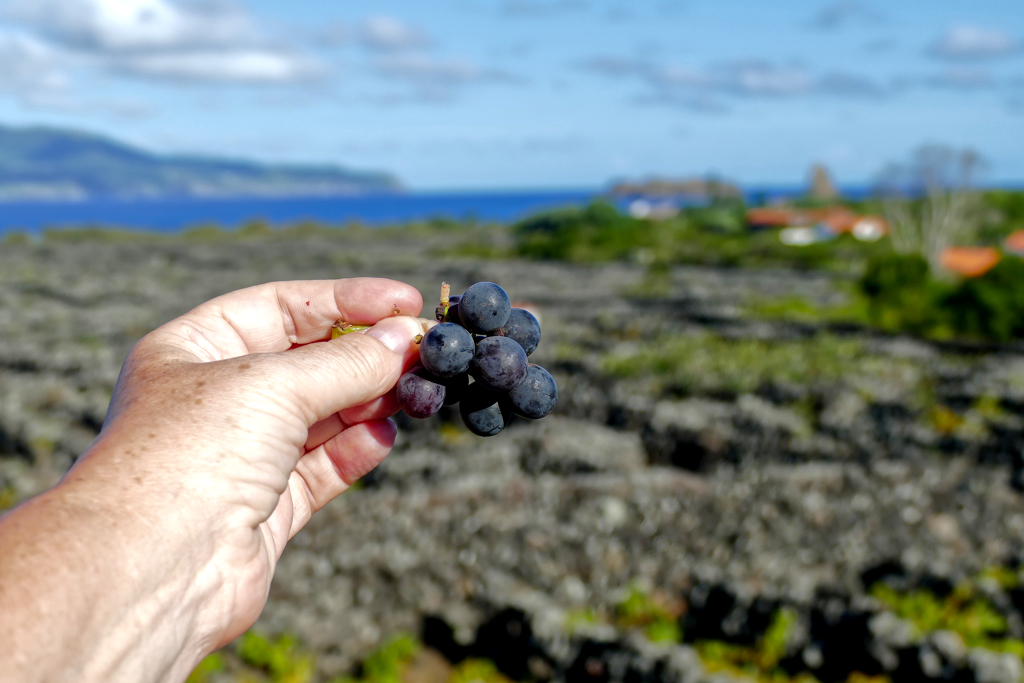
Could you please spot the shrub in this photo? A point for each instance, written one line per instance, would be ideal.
(903, 297)
(596, 233)
(901, 294)
(991, 306)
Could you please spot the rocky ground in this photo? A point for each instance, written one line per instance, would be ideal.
(726, 462)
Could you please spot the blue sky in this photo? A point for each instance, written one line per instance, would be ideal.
(463, 94)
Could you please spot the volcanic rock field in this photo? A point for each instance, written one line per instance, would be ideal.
(726, 462)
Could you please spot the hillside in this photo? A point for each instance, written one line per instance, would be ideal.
(47, 163)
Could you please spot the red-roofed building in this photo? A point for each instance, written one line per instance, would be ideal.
(1014, 243)
(970, 261)
(837, 219)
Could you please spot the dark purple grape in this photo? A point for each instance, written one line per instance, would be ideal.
(523, 327)
(447, 350)
(499, 363)
(484, 307)
(483, 412)
(420, 394)
(453, 309)
(455, 388)
(536, 396)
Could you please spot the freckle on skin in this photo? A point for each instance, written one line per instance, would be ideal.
(199, 401)
(244, 366)
(138, 480)
(201, 384)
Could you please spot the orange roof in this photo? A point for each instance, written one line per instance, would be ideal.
(1015, 242)
(838, 218)
(970, 261)
(772, 217)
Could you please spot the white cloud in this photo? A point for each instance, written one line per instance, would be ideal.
(965, 41)
(707, 89)
(431, 79)
(135, 25)
(31, 69)
(761, 78)
(236, 66)
(206, 40)
(390, 34)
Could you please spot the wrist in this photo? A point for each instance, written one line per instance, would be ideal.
(127, 593)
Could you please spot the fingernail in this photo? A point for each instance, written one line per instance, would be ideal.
(396, 333)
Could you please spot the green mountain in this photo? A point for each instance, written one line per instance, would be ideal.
(48, 163)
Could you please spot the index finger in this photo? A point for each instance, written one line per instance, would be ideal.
(275, 317)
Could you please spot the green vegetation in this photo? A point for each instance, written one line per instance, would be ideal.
(594, 234)
(965, 611)
(760, 662)
(477, 671)
(903, 296)
(707, 363)
(899, 294)
(282, 659)
(1005, 213)
(385, 665)
(207, 668)
(258, 659)
(657, 618)
(714, 235)
(8, 497)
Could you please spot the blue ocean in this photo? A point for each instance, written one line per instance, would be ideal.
(375, 210)
(174, 215)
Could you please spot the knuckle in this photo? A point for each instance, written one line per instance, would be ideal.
(364, 359)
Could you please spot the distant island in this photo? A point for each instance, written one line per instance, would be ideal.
(696, 188)
(49, 164)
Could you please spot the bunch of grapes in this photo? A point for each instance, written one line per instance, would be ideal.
(477, 357)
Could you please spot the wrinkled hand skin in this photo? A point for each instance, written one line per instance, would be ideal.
(229, 427)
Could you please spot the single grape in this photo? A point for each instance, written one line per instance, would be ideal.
(484, 307)
(499, 363)
(447, 350)
(453, 310)
(455, 388)
(523, 327)
(483, 412)
(420, 394)
(536, 396)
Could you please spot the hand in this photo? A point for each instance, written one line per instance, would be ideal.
(229, 427)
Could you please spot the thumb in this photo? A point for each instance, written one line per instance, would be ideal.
(325, 378)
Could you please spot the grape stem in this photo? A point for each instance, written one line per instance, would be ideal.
(341, 328)
(446, 294)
